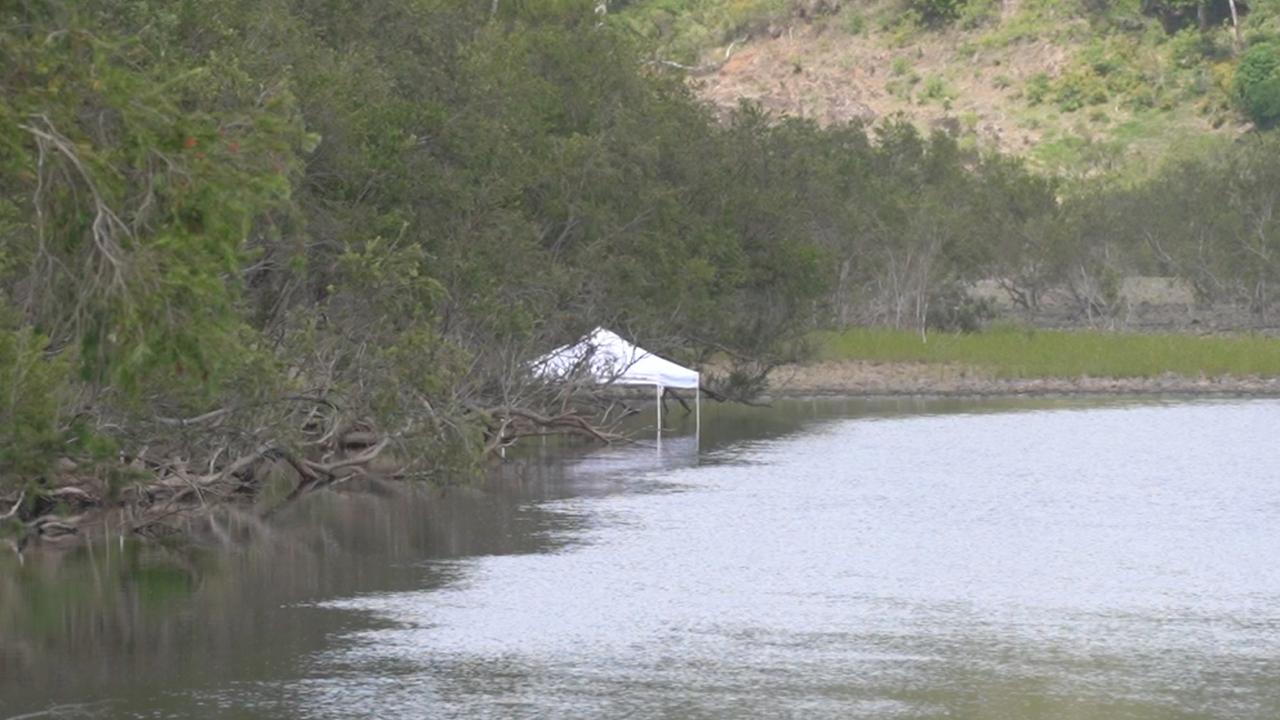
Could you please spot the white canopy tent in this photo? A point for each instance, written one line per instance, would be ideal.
(606, 358)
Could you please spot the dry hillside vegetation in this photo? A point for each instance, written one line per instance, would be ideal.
(813, 72)
(1041, 78)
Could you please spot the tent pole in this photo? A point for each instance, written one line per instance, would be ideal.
(697, 416)
(659, 398)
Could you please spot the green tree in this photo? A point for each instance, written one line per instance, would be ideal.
(1257, 83)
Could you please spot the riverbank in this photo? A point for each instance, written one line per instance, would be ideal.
(1011, 360)
(1021, 352)
(859, 377)
(76, 503)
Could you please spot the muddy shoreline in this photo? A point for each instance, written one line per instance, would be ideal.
(858, 378)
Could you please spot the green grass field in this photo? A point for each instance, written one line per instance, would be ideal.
(1020, 353)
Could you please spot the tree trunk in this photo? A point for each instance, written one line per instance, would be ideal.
(1235, 22)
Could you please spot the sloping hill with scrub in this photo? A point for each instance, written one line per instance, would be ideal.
(1074, 85)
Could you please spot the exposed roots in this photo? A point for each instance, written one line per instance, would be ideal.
(156, 507)
(187, 470)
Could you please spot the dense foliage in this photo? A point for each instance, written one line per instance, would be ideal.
(1211, 220)
(227, 227)
(289, 219)
(1257, 83)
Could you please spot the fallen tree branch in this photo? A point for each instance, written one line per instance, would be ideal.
(220, 412)
(74, 496)
(712, 394)
(363, 458)
(46, 525)
(314, 475)
(17, 504)
(299, 466)
(185, 422)
(236, 466)
(666, 392)
(707, 68)
(569, 420)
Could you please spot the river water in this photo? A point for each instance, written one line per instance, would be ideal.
(820, 559)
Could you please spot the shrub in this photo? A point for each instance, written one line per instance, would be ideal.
(855, 23)
(903, 26)
(1143, 99)
(900, 89)
(977, 13)
(937, 12)
(1037, 88)
(1079, 89)
(35, 387)
(951, 309)
(1190, 47)
(934, 89)
(1257, 84)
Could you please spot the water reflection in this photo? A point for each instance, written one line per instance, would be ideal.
(1105, 563)
(905, 558)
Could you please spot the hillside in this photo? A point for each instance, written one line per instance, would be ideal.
(1073, 85)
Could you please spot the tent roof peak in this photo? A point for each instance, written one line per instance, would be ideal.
(607, 358)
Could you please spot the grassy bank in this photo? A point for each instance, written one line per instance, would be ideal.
(1019, 353)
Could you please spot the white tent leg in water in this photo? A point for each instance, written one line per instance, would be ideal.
(697, 417)
(659, 389)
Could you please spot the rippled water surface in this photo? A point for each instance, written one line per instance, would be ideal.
(817, 560)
